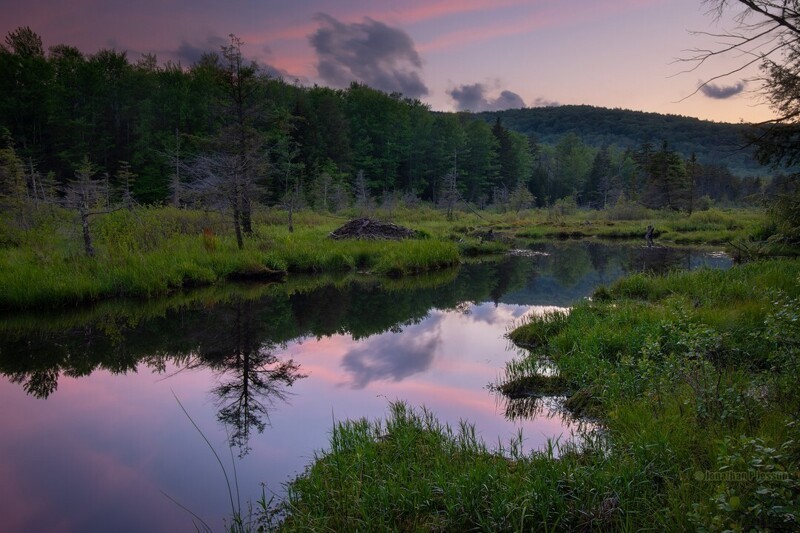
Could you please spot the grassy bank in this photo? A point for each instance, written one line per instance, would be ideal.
(149, 252)
(154, 251)
(694, 377)
(713, 226)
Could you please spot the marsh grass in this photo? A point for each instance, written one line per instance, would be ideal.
(686, 370)
(411, 473)
(694, 377)
(629, 222)
(153, 252)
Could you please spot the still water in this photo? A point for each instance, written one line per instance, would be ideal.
(94, 433)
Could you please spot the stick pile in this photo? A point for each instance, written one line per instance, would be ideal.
(366, 228)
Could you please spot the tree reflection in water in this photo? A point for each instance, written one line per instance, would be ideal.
(252, 384)
(251, 379)
(40, 383)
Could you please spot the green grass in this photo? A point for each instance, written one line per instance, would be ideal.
(410, 473)
(309, 250)
(693, 377)
(152, 251)
(179, 262)
(714, 226)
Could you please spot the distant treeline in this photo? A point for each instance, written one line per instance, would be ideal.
(713, 142)
(168, 133)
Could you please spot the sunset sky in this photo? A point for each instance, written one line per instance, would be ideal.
(451, 54)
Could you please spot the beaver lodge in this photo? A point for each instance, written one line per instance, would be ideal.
(367, 228)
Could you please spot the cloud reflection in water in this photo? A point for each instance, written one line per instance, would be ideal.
(394, 356)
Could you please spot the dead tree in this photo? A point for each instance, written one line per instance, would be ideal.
(88, 196)
(218, 178)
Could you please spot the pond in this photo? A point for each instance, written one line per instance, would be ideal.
(99, 403)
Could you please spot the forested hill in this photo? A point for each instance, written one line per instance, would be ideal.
(712, 142)
(224, 132)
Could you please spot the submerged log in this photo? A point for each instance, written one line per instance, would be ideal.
(366, 228)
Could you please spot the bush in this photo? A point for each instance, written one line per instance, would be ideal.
(627, 210)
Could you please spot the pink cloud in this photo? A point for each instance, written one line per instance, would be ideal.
(430, 11)
(552, 17)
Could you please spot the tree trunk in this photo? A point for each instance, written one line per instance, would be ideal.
(247, 220)
(236, 225)
(176, 179)
(87, 237)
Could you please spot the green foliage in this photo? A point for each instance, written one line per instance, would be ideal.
(150, 251)
(630, 220)
(784, 214)
(625, 209)
(538, 329)
(12, 175)
(756, 486)
(694, 375)
(521, 198)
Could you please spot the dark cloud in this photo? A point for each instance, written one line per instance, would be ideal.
(721, 92)
(370, 52)
(543, 102)
(189, 54)
(392, 357)
(473, 98)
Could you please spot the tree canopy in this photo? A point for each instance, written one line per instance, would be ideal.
(223, 133)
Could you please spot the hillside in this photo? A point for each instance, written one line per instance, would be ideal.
(712, 142)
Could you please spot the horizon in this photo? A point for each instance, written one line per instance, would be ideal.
(472, 55)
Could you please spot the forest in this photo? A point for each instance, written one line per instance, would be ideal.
(713, 142)
(111, 130)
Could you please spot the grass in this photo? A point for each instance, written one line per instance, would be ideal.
(410, 473)
(307, 250)
(153, 251)
(714, 226)
(693, 377)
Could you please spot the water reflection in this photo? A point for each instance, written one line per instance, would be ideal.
(530, 407)
(251, 379)
(236, 334)
(341, 346)
(393, 357)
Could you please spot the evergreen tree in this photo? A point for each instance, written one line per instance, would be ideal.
(505, 156)
(521, 198)
(600, 180)
(667, 186)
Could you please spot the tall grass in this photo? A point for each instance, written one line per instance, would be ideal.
(411, 473)
(151, 252)
(690, 372)
(694, 377)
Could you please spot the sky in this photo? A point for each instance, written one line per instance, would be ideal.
(451, 54)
